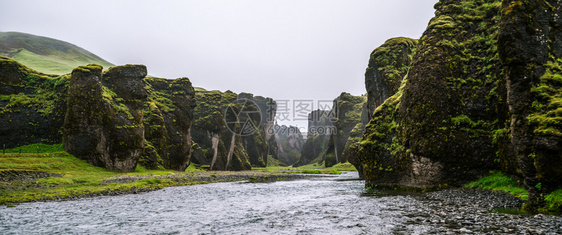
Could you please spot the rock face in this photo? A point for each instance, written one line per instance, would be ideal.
(388, 64)
(32, 105)
(290, 142)
(103, 124)
(448, 105)
(263, 141)
(320, 128)
(482, 92)
(240, 144)
(168, 115)
(530, 49)
(349, 111)
(103, 117)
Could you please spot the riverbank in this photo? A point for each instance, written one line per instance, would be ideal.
(28, 177)
(472, 210)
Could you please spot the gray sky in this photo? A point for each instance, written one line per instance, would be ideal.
(288, 50)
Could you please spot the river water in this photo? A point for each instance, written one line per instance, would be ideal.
(325, 205)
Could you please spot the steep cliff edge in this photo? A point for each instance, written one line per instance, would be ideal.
(240, 144)
(320, 128)
(437, 129)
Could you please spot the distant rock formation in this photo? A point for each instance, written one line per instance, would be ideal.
(320, 127)
(290, 142)
(239, 145)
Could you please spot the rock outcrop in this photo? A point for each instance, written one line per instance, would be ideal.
(482, 92)
(103, 124)
(263, 141)
(221, 146)
(168, 118)
(102, 117)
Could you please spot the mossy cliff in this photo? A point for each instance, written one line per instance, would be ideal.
(216, 144)
(263, 142)
(103, 117)
(32, 105)
(103, 124)
(349, 112)
(388, 64)
(168, 117)
(482, 92)
(530, 49)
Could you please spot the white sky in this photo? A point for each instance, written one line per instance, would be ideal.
(287, 50)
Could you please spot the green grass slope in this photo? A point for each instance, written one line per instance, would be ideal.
(46, 55)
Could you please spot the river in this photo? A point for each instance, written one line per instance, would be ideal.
(323, 205)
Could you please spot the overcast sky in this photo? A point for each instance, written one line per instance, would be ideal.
(288, 50)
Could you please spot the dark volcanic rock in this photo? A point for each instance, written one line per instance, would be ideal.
(320, 127)
(437, 129)
(103, 125)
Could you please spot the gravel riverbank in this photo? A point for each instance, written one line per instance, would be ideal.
(464, 210)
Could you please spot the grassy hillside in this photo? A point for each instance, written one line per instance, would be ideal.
(46, 55)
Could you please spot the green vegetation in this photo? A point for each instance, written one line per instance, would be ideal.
(37, 148)
(553, 203)
(314, 168)
(77, 177)
(497, 181)
(547, 116)
(46, 55)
